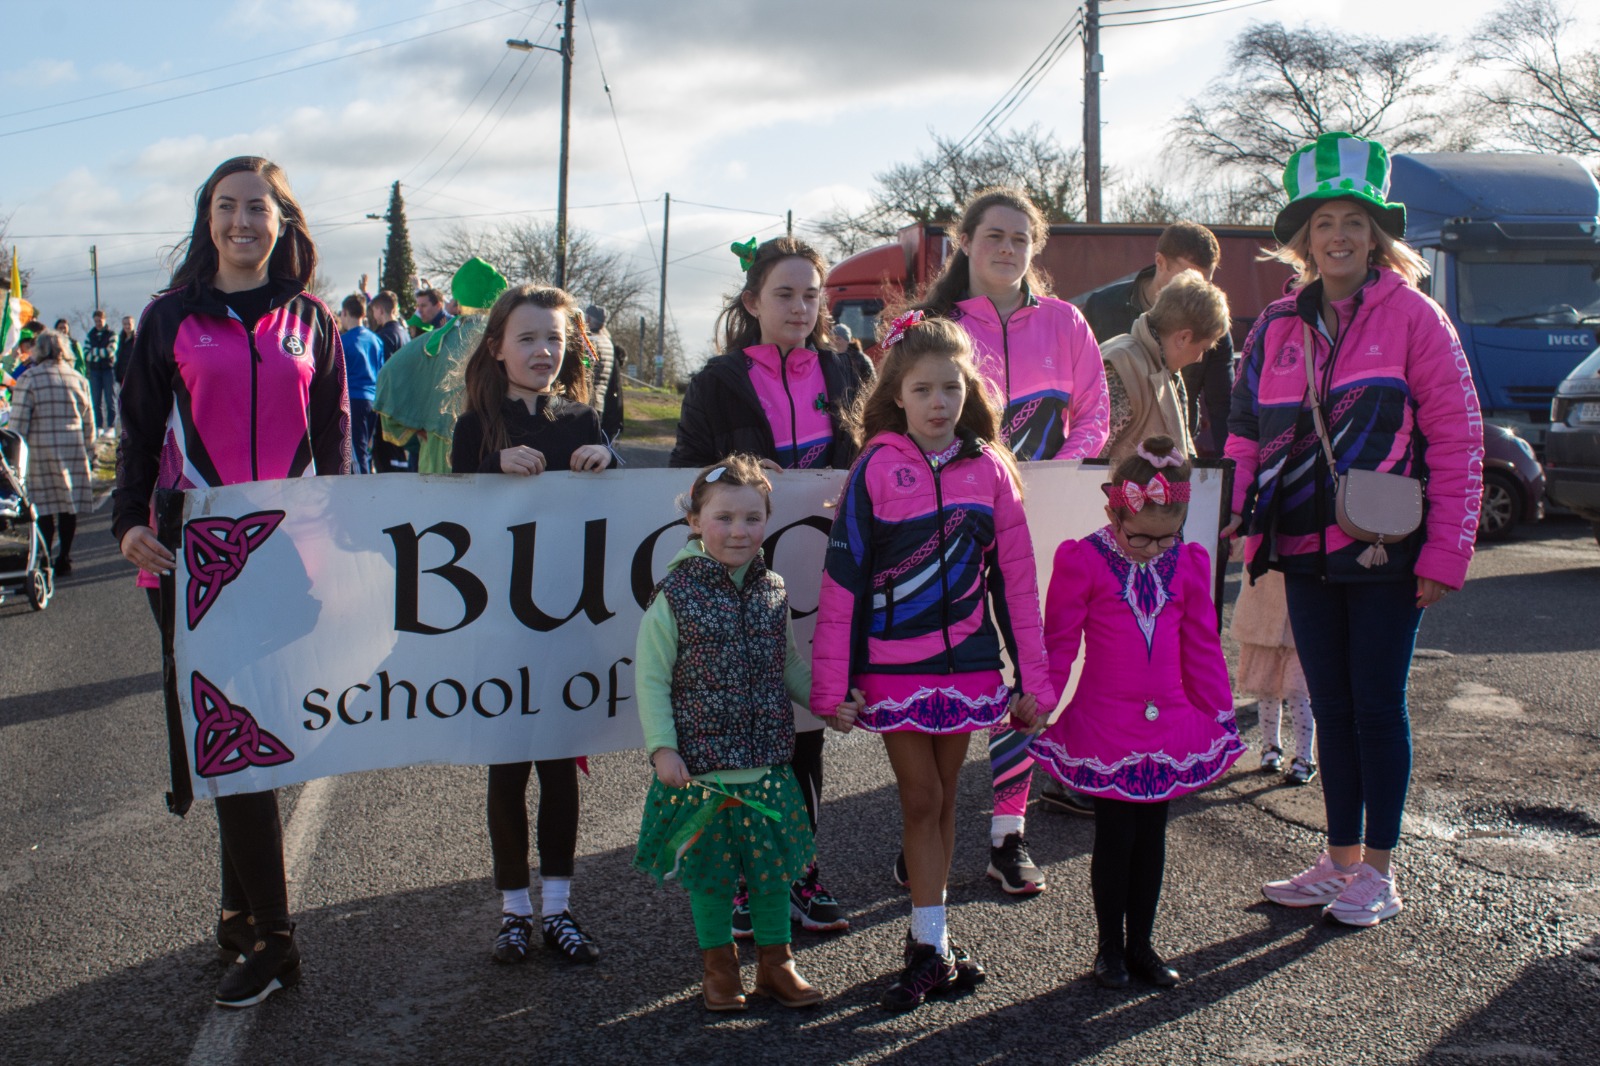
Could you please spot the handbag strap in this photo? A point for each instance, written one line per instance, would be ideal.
(1316, 402)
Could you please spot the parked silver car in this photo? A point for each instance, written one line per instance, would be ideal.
(1572, 447)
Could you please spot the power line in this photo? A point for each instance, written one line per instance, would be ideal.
(725, 207)
(1169, 7)
(1180, 18)
(252, 80)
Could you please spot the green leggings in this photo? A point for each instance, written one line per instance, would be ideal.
(769, 917)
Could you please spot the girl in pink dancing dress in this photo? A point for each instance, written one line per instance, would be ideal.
(1152, 717)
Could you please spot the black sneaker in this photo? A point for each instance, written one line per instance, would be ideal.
(235, 937)
(1301, 771)
(273, 962)
(901, 876)
(511, 945)
(814, 906)
(969, 971)
(927, 973)
(1057, 797)
(561, 933)
(1013, 867)
(743, 927)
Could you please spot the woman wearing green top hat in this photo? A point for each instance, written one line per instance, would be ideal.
(1397, 397)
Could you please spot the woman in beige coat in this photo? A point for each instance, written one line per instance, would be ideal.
(1142, 381)
(50, 408)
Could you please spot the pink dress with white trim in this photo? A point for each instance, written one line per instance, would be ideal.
(1152, 717)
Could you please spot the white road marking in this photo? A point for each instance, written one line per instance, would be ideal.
(223, 1037)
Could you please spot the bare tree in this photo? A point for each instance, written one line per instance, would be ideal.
(1548, 95)
(1283, 88)
(526, 252)
(933, 188)
(1147, 199)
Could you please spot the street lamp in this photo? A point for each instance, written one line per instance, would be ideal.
(517, 45)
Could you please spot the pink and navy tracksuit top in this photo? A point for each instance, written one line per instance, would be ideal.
(1398, 395)
(1046, 365)
(916, 556)
(209, 402)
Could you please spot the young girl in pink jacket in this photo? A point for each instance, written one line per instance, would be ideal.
(930, 536)
(1152, 717)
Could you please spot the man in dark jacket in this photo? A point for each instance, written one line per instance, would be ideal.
(124, 348)
(605, 377)
(1112, 309)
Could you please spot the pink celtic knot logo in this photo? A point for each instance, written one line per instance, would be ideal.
(215, 551)
(228, 739)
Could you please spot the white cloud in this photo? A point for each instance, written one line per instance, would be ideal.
(42, 73)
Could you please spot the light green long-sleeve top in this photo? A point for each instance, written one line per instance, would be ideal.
(656, 654)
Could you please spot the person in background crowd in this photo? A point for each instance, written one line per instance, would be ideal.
(124, 349)
(419, 393)
(1398, 399)
(606, 374)
(363, 358)
(382, 319)
(100, 360)
(241, 291)
(430, 308)
(64, 328)
(1207, 384)
(51, 409)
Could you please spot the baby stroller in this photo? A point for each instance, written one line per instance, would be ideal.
(24, 564)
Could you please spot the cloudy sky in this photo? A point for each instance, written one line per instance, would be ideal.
(741, 109)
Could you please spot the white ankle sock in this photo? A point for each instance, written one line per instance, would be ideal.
(1003, 825)
(554, 893)
(516, 901)
(927, 927)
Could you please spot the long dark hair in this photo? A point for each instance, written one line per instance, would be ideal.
(954, 283)
(878, 412)
(739, 329)
(293, 256)
(484, 376)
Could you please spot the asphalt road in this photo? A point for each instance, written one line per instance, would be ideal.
(107, 901)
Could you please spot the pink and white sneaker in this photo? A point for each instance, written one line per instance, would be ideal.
(1368, 900)
(1315, 887)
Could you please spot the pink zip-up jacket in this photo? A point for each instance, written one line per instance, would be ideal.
(209, 402)
(915, 560)
(1047, 368)
(1398, 395)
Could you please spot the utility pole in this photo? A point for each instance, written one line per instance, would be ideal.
(638, 353)
(570, 8)
(1093, 66)
(661, 313)
(789, 229)
(94, 268)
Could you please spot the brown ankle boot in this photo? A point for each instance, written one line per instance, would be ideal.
(721, 987)
(776, 977)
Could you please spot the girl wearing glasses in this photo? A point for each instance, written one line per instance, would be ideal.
(1152, 717)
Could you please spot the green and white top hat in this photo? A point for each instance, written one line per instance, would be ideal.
(1338, 166)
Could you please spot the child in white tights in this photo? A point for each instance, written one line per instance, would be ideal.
(1269, 669)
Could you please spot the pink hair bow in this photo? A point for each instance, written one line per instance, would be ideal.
(898, 328)
(1158, 490)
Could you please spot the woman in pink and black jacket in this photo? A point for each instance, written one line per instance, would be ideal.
(930, 536)
(1041, 358)
(1398, 398)
(237, 375)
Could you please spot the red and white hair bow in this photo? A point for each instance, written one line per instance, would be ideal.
(898, 328)
(1158, 490)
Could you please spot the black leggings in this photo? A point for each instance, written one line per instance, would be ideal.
(251, 844)
(67, 524)
(508, 820)
(807, 763)
(1130, 854)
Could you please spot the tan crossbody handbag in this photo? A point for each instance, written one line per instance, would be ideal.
(1372, 507)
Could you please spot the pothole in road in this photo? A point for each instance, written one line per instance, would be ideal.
(1538, 842)
(1503, 820)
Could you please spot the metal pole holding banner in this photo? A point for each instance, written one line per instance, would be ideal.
(169, 529)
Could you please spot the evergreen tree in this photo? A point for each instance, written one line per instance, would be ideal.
(398, 266)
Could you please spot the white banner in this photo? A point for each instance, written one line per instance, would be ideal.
(334, 624)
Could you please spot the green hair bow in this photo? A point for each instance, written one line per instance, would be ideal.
(746, 253)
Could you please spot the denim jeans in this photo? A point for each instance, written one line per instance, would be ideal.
(363, 420)
(103, 396)
(1355, 642)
